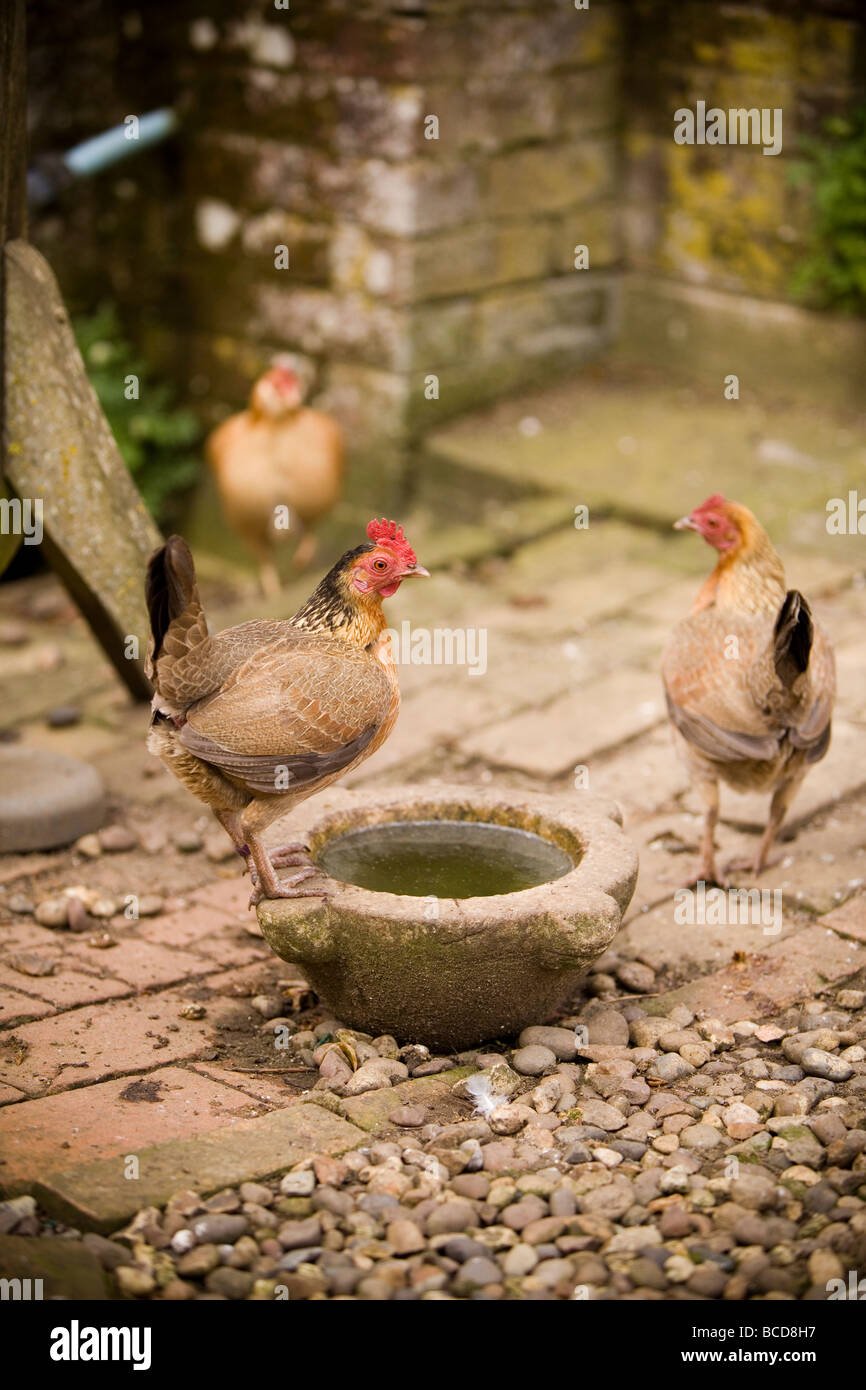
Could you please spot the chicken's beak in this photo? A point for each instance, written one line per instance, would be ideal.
(415, 569)
(685, 523)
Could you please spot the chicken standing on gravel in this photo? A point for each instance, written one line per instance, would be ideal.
(749, 677)
(261, 716)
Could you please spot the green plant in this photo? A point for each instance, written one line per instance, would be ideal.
(833, 170)
(155, 436)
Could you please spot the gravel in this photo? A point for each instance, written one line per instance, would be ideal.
(618, 1155)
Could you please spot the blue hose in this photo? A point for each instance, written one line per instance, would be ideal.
(49, 175)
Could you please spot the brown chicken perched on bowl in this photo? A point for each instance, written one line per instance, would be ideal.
(260, 716)
(749, 677)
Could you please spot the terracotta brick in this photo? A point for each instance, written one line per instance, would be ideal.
(209, 931)
(115, 1117)
(90, 1044)
(28, 936)
(188, 927)
(142, 964)
(227, 895)
(267, 1088)
(850, 919)
(96, 1195)
(15, 1006)
(67, 988)
(768, 981)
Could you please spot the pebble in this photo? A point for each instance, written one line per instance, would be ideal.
(188, 841)
(53, 912)
(769, 1033)
(608, 1027)
(477, 1273)
(299, 1184)
(408, 1116)
(114, 839)
(405, 1237)
(268, 1005)
(375, 1073)
(741, 1120)
(816, 1062)
(453, 1215)
(562, 1042)
(604, 1116)
(150, 905)
(231, 1283)
(219, 1228)
(63, 716)
(19, 902)
(193, 1011)
(533, 1060)
(89, 846)
(670, 1067)
(134, 1282)
(636, 977)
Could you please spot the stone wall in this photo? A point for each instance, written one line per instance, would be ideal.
(425, 275)
(728, 216)
(410, 257)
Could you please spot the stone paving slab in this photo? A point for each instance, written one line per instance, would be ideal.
(575, 728)
(97, 1042)
(659, 940)
(96, 1196)
(791, 969)
(67, 1269)
(849, 920)
(113, 1117)
(625, 459)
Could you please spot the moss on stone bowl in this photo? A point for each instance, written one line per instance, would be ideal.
(470, 969)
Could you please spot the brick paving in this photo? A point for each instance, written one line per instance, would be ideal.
(154, 1039)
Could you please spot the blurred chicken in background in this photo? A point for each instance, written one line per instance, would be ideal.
(279, 470)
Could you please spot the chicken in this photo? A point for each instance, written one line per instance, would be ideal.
(279, 469)
(261, 716)
(749, 677)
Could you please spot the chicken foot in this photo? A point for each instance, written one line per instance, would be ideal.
(267, 885)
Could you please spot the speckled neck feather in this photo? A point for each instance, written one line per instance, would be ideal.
(337, 609)
(751, 577)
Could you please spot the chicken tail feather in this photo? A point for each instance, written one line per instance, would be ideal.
(792, 638)
(176, 618)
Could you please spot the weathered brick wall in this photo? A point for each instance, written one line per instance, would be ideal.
(409, 257)
(729, 216)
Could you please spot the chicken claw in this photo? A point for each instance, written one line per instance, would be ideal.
(287, 888)
(284, 855)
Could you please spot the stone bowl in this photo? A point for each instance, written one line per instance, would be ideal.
(463, 970)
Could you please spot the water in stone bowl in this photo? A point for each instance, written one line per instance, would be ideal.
(443, 858)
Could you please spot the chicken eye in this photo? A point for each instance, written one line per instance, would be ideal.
(380, 564)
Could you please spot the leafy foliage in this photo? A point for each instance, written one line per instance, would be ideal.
(833, 273)
(155, 436)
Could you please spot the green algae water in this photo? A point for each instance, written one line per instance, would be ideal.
(445, 859)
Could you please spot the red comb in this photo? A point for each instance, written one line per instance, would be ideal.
(712, 503)
(389, 533)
